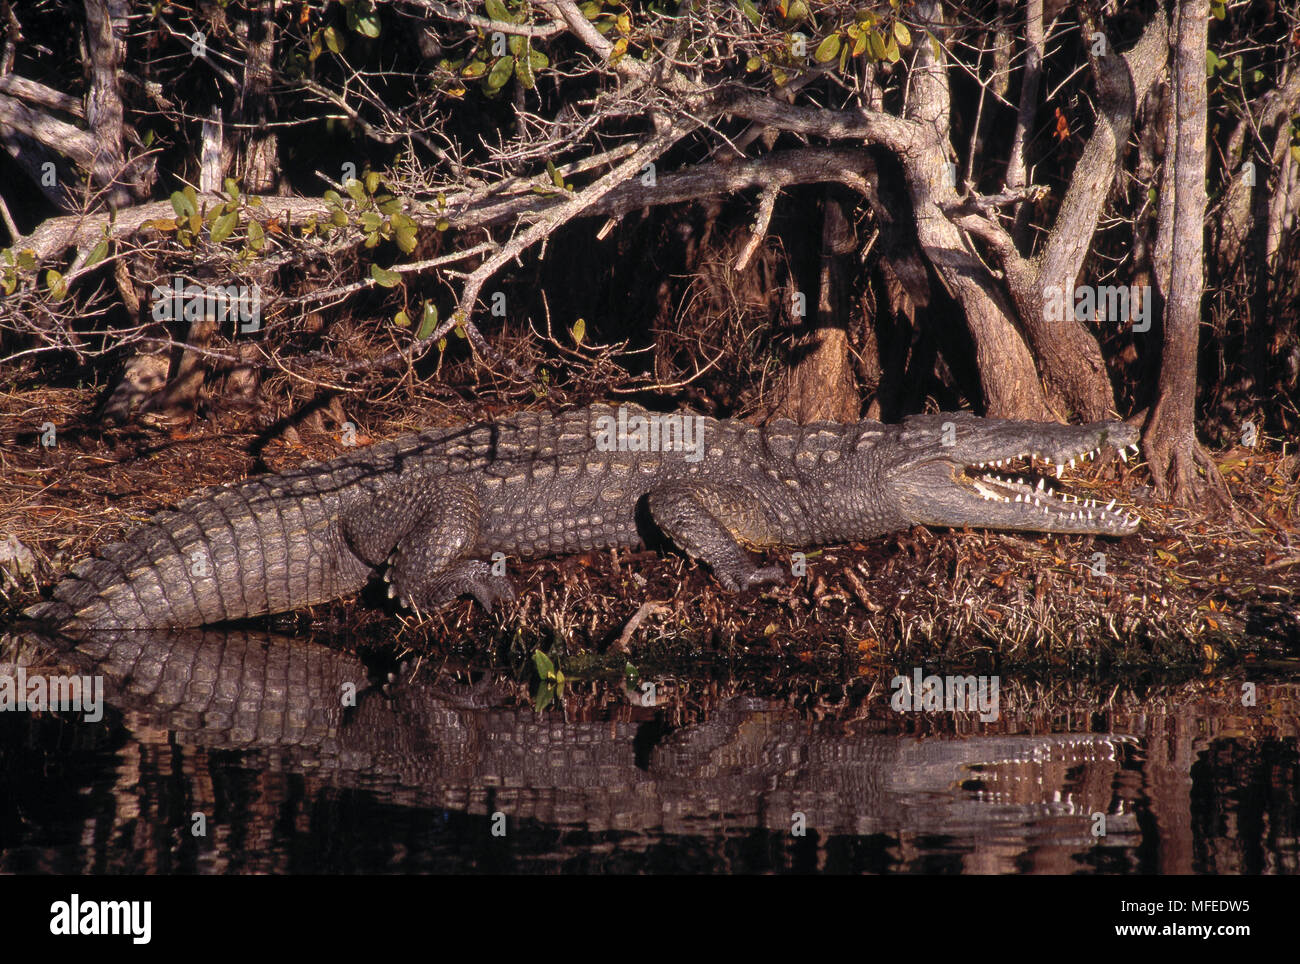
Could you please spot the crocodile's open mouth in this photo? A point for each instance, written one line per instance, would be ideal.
(960, 471)
(1030, 483)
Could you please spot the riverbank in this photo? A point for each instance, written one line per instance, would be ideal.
(1188, 589)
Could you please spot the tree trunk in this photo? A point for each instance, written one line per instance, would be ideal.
(1172, 450)
(819, 385)
(1008, 376)
(259, 162)
(106, 25)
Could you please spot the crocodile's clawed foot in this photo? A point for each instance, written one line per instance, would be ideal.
(470, 577)
(767, 576)
(751, 579)
(491, 590)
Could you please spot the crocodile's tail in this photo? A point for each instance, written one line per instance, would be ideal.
(260, 547)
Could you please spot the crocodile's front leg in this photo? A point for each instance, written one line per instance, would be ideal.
(423, 533)
(705, 521)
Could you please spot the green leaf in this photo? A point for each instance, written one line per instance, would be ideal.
(54, 281)
(1218, 10)
(891, 50)
(545, 668)
(500, 73)
(356, 190)
(524, 73)
(333, 197)
(372, 182)
(516, 44)
(192, 196)
(475, 68)
(442, 225)
(828, 49)
(752, 64)
(402, 319)
(497, 10)
(256, 236)
(385, 278)
(223, 227)
(902, 34)
(545, 695)
(538, 60)
(338, 218)
(370, 221)
(181, 205)
(99, 253)
(333, 41)
(363, 20)
(578, 331)
(556, 177)
(406, 238)
(231, 186)
(751, 13)
(428, 321)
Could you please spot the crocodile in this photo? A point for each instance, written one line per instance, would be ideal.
(436, 513)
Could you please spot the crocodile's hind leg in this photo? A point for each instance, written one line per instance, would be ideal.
(423, 533)
(706, 520)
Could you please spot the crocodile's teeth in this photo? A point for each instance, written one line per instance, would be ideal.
(1111, 506)
(1059, 469)
(1123, 455)
(1042, 485)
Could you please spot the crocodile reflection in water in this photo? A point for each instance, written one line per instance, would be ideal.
(288, 701)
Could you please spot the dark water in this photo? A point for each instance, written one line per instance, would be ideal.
(245, 737)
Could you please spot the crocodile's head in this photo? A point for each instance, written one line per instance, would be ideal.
(954, 469)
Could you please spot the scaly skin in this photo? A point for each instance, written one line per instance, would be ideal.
(431, 509)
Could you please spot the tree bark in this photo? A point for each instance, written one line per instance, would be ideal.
(1170, 436)
(106, 24)
(1008, 376)
(819, 385)
(259, 162)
